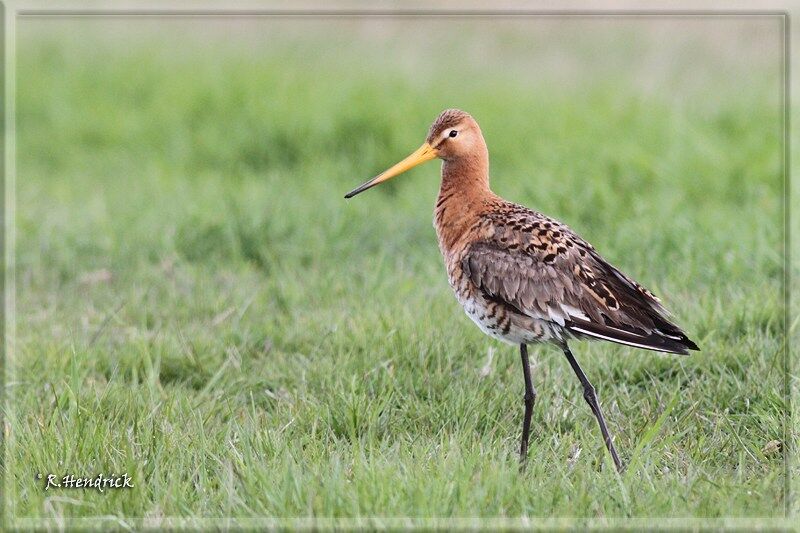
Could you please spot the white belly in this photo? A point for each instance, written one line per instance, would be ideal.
(525, 330)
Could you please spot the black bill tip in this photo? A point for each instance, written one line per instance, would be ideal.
(361, 188)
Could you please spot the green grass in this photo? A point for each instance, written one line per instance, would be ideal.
(264, 348)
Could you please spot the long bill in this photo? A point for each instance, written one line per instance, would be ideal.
(426, 152)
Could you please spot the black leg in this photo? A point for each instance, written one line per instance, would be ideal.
(591, 398)
(530, 399)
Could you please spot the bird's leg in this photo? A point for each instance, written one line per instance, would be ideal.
(530, 399)
(591, 398)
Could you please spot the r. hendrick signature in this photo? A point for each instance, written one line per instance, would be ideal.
(99, 483)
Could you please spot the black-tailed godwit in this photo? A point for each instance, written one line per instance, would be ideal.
(524, 277)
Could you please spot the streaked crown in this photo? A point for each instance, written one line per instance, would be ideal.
(446, 119)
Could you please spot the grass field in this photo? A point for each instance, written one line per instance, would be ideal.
(198, 307)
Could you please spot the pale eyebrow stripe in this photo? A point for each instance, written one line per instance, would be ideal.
(447, 131)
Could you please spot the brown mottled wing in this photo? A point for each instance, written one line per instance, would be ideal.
(542, 269)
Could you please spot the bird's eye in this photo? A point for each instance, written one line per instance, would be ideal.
(453, 133)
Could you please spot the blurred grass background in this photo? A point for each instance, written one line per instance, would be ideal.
(197, 306)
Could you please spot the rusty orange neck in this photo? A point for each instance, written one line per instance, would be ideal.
(463, 196)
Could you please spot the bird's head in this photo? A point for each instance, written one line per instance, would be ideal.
(453, 135)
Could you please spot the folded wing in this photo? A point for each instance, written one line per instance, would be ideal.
(540, 268)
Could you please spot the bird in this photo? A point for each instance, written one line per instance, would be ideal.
(524, 277)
